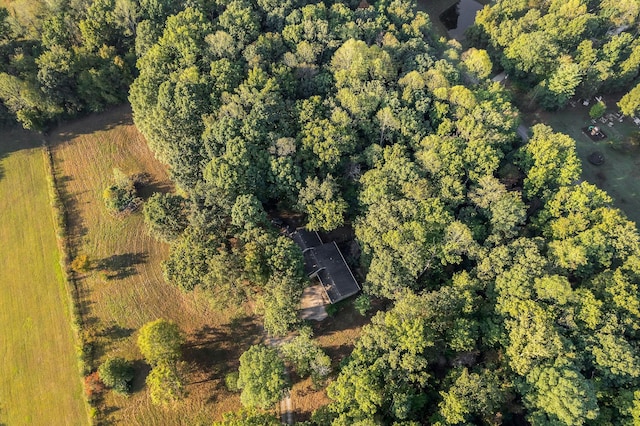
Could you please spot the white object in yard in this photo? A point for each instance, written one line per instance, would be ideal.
(636, 120)
(610, 124)
(585, 102)
(599, 98)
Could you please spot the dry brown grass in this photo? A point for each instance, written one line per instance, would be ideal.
(125, 289)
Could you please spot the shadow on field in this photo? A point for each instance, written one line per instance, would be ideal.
(75, 222)
(16, 139)
(119, 266)
(213, 352)
(148, 186)
(141, 371)
(91, 123)
(116, 332)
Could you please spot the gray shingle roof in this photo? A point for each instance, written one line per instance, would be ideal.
(325, 261)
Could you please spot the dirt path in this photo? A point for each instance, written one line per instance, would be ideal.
(286, 411)
(286, 407)
(523, 132)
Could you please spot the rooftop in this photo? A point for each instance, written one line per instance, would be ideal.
(326, 262)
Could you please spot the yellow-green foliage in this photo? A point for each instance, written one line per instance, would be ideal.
(40, 382)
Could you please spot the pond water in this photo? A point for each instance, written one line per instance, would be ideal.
(457, 18)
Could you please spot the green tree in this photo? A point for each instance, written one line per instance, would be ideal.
(117, 373)
(248, 417)
(630, 103)
(471, 394)
(4, 24)
(165, 216)
(550, 161)
(160, 342)
(597, 110)
(247, 212)
(165, 384)
(261, 377)
(122, 194)
(281, 301)
(307, 357)
(189, 258)
(477, 63)
(560, 394)
(323, 204)
(561, 86)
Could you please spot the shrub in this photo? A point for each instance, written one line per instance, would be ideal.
(81, 263)
(362, 304)
(117, 373)
(597, 110)
(93, 386)
(231, 381)
(122, 194)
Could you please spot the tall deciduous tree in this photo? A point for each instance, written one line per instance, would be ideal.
(323, 204)
(630, 102)
(550, 162)
(165, 216)
(261, 377)
(160, 342)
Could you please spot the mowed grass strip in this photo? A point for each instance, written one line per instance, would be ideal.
(40, 380)
(125, 289)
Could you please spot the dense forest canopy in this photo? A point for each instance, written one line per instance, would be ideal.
(563, 48)
(512, 285)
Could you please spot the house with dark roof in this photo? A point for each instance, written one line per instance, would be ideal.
(326, 262)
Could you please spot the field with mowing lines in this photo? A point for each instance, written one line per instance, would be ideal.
(124, 287)
(39, 373)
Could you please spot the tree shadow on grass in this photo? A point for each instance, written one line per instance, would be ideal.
(211, 352)
(146, 185)
(74, 221)
(119, 266)
(91, 123)
(16, 139)
(141, 371)
(116, 332)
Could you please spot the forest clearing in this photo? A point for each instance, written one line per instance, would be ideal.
(39, 372)
(618, 175)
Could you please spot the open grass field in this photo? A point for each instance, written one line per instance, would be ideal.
(620, 173)
(39, 374)
(125, 289)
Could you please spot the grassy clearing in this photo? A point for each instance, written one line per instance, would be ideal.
(39, 376)
(620, 174)
(124, 288)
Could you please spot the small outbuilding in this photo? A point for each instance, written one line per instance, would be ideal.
(326, 262)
